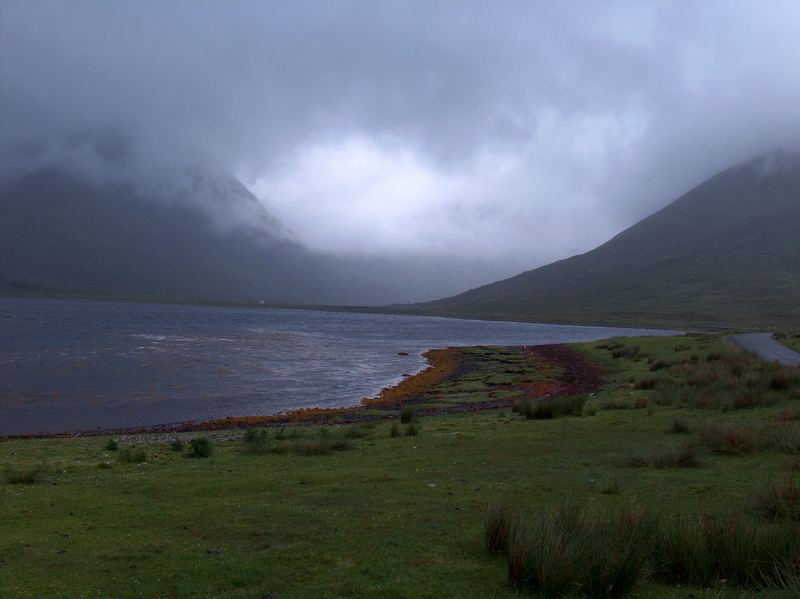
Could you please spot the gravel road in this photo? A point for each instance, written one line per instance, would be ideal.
(765, 347)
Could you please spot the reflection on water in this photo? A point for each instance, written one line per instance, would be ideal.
(80, 365)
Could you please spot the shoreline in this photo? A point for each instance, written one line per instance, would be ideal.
(578, 376)
(389, 309)
(442, 363)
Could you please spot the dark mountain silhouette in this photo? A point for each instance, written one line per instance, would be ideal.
(199, 237)
(727, 253)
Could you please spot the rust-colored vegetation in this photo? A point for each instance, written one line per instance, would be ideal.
(443, 364)
(456, 380)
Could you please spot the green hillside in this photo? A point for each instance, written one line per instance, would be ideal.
(727, 253)
(210, 239)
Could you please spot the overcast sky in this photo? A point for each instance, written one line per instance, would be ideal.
(523, 131)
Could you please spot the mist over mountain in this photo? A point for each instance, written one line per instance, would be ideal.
(399, 151)
(506, 136)
(727, 252)
(196, 237)
(191, 233)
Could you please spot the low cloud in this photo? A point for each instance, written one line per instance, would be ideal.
(520, 131)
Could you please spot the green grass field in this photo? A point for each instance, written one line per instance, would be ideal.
(400, 516)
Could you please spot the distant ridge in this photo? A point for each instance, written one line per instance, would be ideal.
(204, 237)
(726, 253)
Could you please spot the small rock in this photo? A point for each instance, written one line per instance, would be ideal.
(213, 551)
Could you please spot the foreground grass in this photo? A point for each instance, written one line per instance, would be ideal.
(389, 516)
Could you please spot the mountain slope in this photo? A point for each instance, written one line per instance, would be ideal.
(205, 238)
(727, 253)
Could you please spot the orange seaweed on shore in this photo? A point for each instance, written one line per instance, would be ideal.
(443, 363)
(575, 375)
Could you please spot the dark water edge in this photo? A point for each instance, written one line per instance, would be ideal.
(83, 365)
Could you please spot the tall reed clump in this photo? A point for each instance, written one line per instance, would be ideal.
(706, 549)
(726, 439)
(580, 551)
(781, 501)
(784, 437)
(497, 526)
(607, 553)
(598, 553)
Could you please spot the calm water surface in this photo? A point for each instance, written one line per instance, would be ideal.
(81, 365)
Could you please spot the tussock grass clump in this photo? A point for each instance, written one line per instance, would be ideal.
(606, 553)
(354, 432)
(412, 430)
(255, 435)
(661, 364)
(24, 475)
(394, 432)
(112, 445)
(734, 381)
(406, 415)
(684, 457)
(176, 445)
(256, 440)
(573, 551)
(497, 526)
(726, 439)
(785, 438)
(611, 488)
(614, 403)
(200, 447)
(322, 446)
(293, 433)
(784, 379)
(132, 455)
(547, 409)
(649, 383)
(749, 400)
(679, 425)
(626, 351)
(788, 415)
(781, 501)
(671, 395)
(704, 550)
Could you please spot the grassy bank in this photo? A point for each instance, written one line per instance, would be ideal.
(790, 338)
(357, 511)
